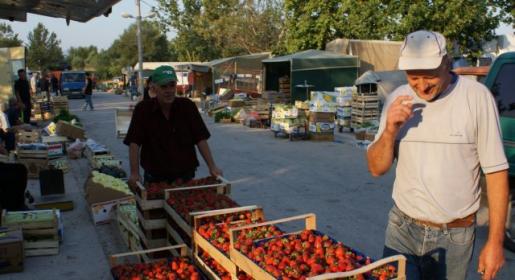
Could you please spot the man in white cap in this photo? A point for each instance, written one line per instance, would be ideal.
(443, 130)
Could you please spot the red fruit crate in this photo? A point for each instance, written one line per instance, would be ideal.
(251, 267)
(131, 269)
(221, 218)
(182, 226)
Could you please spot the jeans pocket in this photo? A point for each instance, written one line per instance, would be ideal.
(395, 218)
(462, 236)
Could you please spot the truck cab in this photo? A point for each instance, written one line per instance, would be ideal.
(501, 82)
(73, 83)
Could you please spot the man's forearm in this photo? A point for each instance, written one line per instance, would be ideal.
(204, 150)
(497, 191)
(380, 154)
(134, 158)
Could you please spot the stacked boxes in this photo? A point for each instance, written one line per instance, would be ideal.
(322, 111)
(344, 102)
(288, 119)
(284, 86)
(59, 103)
(365, 105)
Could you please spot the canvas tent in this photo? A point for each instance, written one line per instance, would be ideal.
(324, 70)
(374, 55)
(241, 73)
(385, 81)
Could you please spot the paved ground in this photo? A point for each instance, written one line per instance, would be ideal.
(286, 178)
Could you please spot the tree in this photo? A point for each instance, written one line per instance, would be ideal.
(124, 50)
(209, 29)
(7, 37)
(465, 23)
(83, 57)
(44, 50)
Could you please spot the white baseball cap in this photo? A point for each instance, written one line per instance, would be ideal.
(422, 50)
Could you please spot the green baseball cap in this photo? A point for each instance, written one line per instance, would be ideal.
(162, 75)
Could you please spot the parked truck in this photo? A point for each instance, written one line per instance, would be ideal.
(73, 83)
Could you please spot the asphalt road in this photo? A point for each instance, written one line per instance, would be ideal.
(286, 178)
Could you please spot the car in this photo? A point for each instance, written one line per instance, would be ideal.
(73, 83)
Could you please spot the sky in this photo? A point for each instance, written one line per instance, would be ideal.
(102, 31)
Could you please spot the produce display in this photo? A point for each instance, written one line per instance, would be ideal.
(185, 202)
(61, 164)
(156, 190)
(129, 210)
(307, 254)
(114, 171)
(220, 270)
(65, 115)
(177, 268)
(110, 182)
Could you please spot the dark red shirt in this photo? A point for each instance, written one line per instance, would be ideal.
(167, 146)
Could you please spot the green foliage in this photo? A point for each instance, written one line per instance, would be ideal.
(83, 58)
(124, 50)
(7, 37)
(211, 29)
(465, 23)
(65, 116)
(44, 50)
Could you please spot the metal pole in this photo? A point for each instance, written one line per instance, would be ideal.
(140, 49)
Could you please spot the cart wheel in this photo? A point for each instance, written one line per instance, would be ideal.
(340, 128)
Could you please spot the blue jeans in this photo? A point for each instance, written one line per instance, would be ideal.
(432, 253)
(87, 98)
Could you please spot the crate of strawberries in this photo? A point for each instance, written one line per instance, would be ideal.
(180, 267)
(151, 196)
(182, 204)
(308, 254)
(211, 240)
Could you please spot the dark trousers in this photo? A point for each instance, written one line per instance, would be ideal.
(12, 186)
(26, 112)
(9, 139)
(186, 176)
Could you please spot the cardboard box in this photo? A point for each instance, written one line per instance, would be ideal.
(11, 250)
(103, 212)
(69, 130)
(96, 193)
(317, 117)
(320, 127)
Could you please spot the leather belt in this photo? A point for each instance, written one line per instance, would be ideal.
(458, 223)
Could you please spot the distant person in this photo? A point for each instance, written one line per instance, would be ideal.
(44, 84)
(23, 94)
(7, 139)
(88, 92)
(34, 82)
(13, 113)
(55, 84)
(148, 92)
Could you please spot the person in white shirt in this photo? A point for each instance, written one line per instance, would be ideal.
(443, 131)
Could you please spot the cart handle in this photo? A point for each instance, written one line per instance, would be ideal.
(401, 271)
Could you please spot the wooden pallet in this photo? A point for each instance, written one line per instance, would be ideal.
(27, 136)
(45, 247)
(321, 137)
(251, 268)
(200, 243)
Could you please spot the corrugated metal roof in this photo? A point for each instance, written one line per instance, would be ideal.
(308, 54)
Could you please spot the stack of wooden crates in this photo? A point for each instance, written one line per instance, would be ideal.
(365, 105)
(40, 230)
(60, 103)
(284, 87)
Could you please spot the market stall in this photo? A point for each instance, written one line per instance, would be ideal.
(324, 70)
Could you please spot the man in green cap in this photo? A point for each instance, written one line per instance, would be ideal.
(164, 132)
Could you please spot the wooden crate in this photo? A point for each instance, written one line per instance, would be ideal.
(252, 268)
(27, 136)
(128, 231)
(181, 250)
(41, 237)
(178, 221)
(201, 244)
(321, 137)
(34, 166)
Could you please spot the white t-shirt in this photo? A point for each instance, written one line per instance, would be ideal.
(441, 149)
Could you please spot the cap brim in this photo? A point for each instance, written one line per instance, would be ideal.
(412, 63)
(165, 81)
